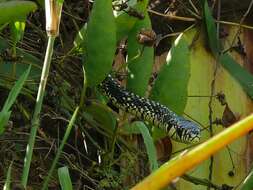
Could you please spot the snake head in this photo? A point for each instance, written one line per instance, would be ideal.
(186, 131)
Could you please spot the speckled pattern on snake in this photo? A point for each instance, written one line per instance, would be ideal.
(177, 127)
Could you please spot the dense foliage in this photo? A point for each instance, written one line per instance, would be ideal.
(152, 48)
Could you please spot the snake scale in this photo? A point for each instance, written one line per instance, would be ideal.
(177, 127)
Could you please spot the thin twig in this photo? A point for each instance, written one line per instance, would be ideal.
(190, 19)
(189, 10)
(198, 96)
(199, 181)
(173, 17)
(234, 24)
(174, 33)
(194, 7)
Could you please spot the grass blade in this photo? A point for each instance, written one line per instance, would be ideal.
(149, 144)
(15, 90)
(5, 113)
(211, 30)
(7, 184)
(64, 177)
(65, 138)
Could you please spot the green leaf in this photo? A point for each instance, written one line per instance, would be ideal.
(211, 30)
(5, 113)
(140, 62)
(64, 178)
(170, 87)
(101, 42)
(15, 90)
(102, 115)
(15, 10)
(125, 22)
(7, 184)
(149, 144)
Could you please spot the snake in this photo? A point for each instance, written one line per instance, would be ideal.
(176, 127)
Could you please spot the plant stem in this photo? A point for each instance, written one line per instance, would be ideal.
(36, 115)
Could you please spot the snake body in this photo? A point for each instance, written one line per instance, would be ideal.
(177, 127)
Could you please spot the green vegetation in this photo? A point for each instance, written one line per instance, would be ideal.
(191, 56)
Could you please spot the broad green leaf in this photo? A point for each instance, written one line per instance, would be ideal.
(149, 144)
(125, 23)
(15, 10)
(140, 61)
(102, 115)
(239, 73)
(15, 90)
(64, 177)
(7, 184)
(101, 42)
(170, 87)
